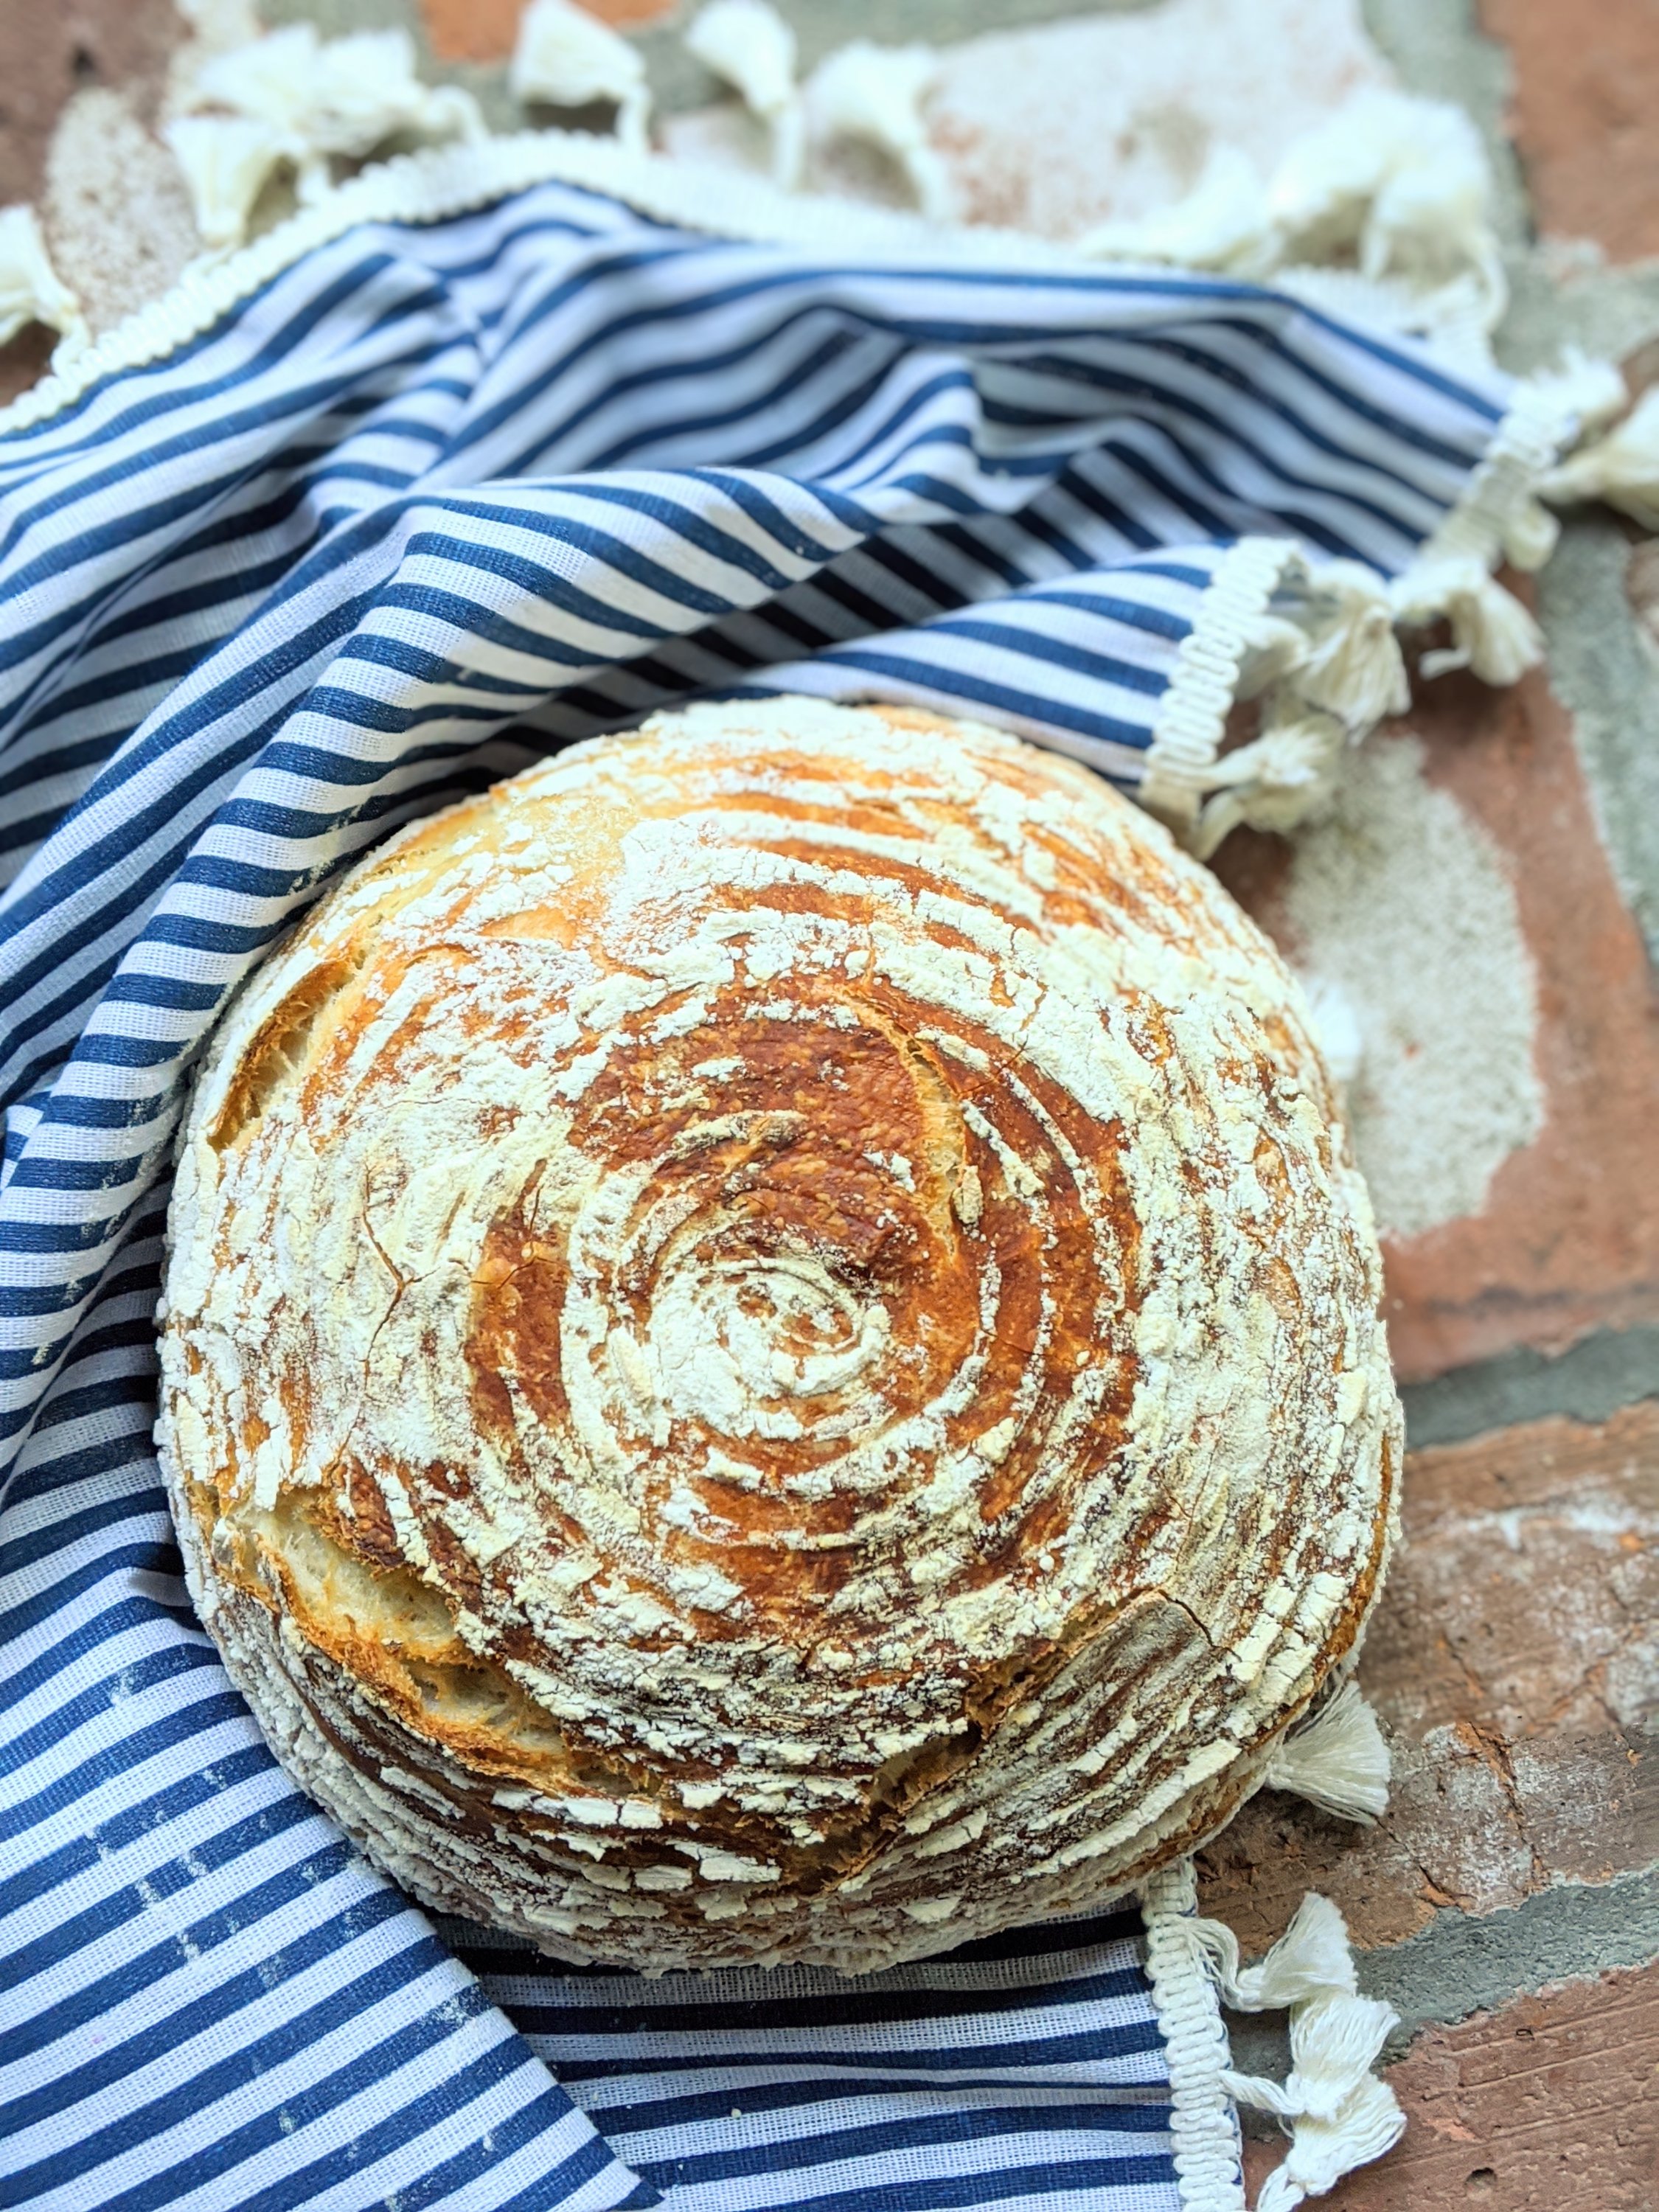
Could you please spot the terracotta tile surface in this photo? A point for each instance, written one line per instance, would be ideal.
(1551, 2104)
(1586, 88)
(1569, 1238)
(484, 30)
(1512, 1663)
(471, 30)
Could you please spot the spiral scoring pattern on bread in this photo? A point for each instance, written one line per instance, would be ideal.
(771, 1349)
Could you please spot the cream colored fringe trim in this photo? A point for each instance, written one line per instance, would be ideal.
(1203, 2129)
(1338, 2113)
(31, 290)
(1326, 657)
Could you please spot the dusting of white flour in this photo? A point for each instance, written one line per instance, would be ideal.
(1409, 938)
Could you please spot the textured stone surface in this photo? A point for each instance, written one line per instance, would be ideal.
(1599, 598)
(1408, 918)
(1512, 1663)
(1053, 130)
(1548, 2105)
(1586, 84)
(48, 55)
(471, 30)
(1570, 1237)
(1465, 1963)
(1437, 48)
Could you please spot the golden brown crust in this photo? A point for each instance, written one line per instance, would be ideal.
(772, 1346)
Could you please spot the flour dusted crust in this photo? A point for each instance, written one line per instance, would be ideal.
(771, 1347)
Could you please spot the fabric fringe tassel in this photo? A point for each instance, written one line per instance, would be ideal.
(876, 94)
(1286, 777)
(1337, 1759)
(566, 57)
(748, 44)
(1398, 185)
(1622, 469)
(1339, 2114)
(31, 290)
(239, 111)
(1325, 659)
(1320, 648)
(1350, 664)
(1493, 635)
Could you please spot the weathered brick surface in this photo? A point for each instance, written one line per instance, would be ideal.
(1568, 1240)
(1586, 88)
(1512, 1662)
(1551, 2104)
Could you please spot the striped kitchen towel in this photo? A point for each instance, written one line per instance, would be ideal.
(485, 455)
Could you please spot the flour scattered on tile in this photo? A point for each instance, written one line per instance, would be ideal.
(116, 215)
(1406, 928)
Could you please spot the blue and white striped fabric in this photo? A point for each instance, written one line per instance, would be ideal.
(436, 498)
(1027, 2070)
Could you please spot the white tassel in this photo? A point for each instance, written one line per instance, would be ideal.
(1310, 1959)
(1354, 668)
(363, 88)
(1370, 2124)
(568, 58)
(31, 290)
(1338, 1759)
(1554, 409)
(1622, 468)
(1530, 536)
(1340, 2115)
(339, 96)
(875, 94)
(1281, 779)
(291, 96)
(1494, 635)
(1336, 2038)
(227, 160)
(1222, 223)
(748, 44)
(1404, 180)
(1585, 390)
(1274, 648)
(1398, 184)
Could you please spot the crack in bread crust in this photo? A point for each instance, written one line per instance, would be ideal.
(771, 1349)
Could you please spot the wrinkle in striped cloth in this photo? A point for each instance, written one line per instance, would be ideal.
(433, 499)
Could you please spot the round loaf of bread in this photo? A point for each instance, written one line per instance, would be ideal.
(771, 1347)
